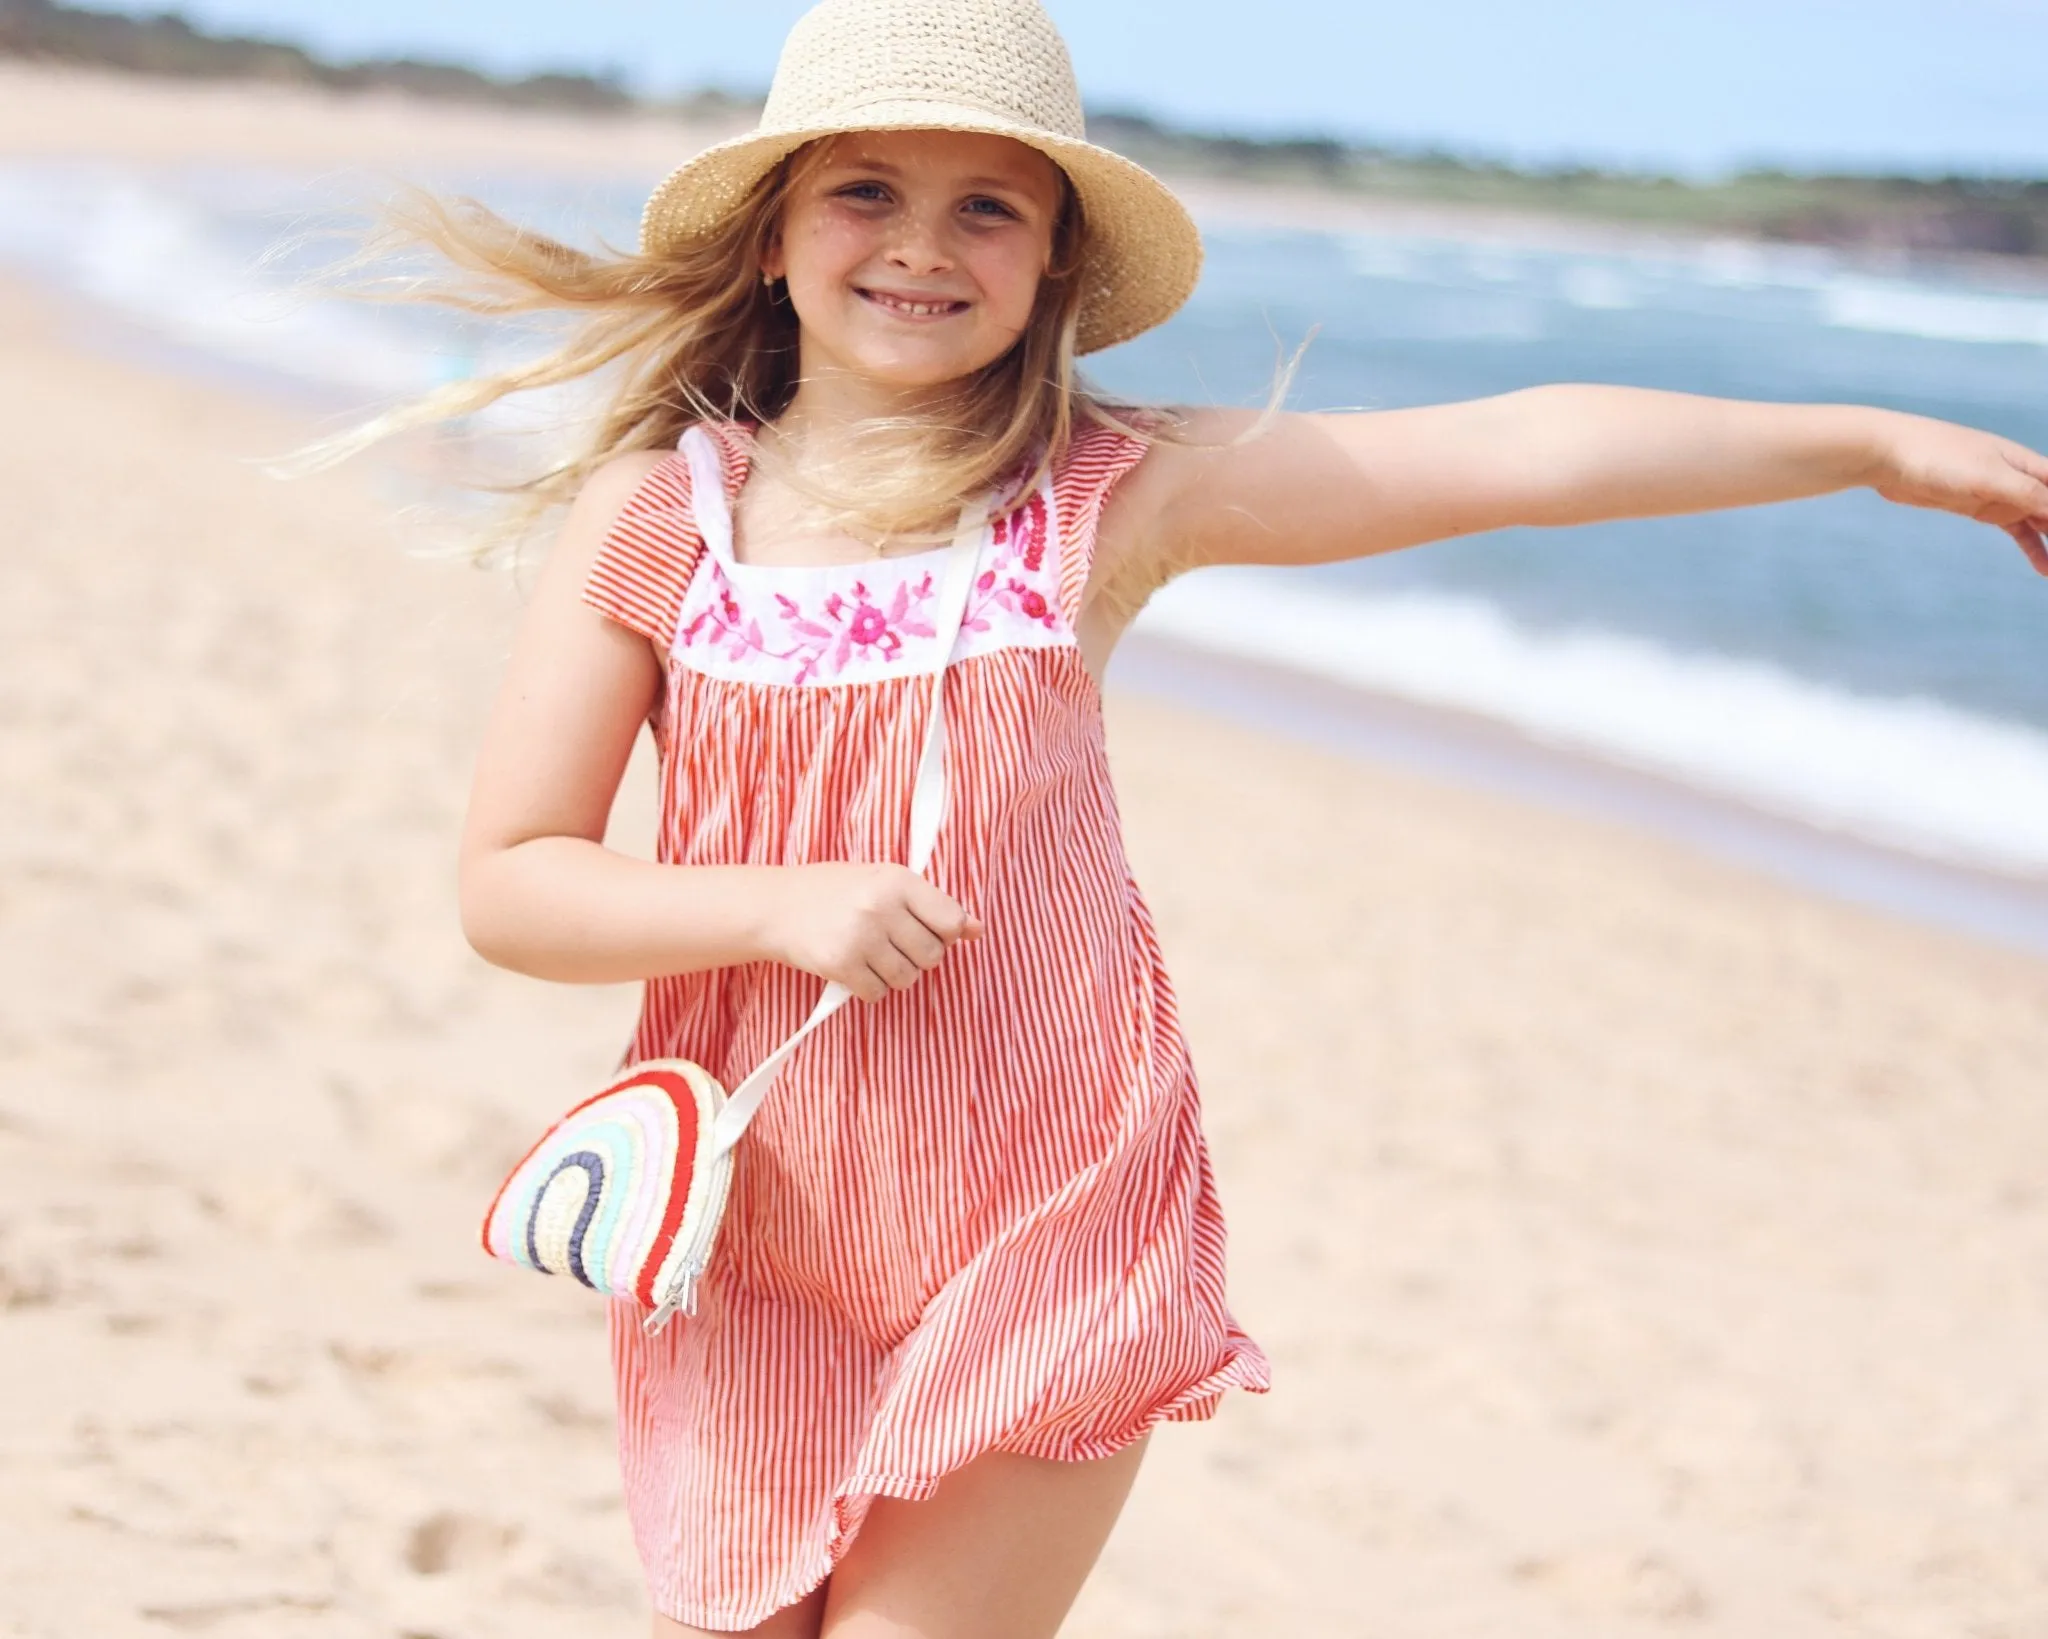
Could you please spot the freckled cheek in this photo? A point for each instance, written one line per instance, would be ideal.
(1010, 287)
(824, 252)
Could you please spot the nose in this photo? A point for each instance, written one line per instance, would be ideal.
(919, 244)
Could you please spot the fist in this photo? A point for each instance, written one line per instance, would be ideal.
(873, 928)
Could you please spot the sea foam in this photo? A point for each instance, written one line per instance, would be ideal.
(1908, 773)
(186, 264)
(1941, 315)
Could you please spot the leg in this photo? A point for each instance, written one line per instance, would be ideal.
(799, 1621)
(999, 1553)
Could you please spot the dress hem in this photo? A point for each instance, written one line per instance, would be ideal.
(1244, 1368)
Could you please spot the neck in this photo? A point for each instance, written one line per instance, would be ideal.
(832, 406)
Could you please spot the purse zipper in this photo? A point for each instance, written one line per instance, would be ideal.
(682, 1294)
(682, 1291)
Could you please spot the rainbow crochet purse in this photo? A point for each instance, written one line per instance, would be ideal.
(626, 1192)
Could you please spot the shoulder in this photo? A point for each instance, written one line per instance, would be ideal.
(618, 484)
(1100, 460)
(1165, 448)
(626, 546)
(1204, 473)
(616, 479)
(625, 485)
(1143, 516)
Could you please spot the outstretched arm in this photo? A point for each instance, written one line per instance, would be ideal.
(1313, 488)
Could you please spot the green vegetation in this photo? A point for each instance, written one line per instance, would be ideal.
(167, 44)
(1983, 215)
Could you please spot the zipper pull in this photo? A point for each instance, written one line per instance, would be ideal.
(682, 1295)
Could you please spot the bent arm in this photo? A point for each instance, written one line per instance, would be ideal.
(540, 892)
(1315, 488)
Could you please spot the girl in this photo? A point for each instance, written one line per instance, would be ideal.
(973, 1254)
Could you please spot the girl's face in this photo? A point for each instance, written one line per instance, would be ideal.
(914, 257)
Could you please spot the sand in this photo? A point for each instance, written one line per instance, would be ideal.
(1642, 1246)
(81, 113)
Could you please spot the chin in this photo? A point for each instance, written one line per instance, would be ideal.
(920, 374)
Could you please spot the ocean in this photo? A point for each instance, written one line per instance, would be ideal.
(1876, 672)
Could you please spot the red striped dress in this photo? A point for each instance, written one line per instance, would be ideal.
(977, 1215)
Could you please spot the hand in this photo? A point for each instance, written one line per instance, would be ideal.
(873, 928)
(1924, 462)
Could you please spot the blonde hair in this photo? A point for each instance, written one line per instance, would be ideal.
(698, 335)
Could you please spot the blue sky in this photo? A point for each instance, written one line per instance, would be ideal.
(1688, 85)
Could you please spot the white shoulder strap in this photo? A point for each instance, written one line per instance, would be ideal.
(712, 511)
(927, 811)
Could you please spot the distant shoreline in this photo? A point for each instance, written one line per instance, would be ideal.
(53, 112)
(1901, 217)
(1306, 209)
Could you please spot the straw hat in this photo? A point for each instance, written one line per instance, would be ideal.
(953, 65)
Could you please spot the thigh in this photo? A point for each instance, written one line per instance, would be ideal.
(999, 1553)
(799, 1621)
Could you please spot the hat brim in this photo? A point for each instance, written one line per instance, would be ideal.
(1144, 251)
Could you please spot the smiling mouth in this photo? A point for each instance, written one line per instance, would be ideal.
(904, 308)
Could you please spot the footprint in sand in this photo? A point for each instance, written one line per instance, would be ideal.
(428, 1366)
(450, 1541)
(198, 1618)
(1616, 1582)
(453, 1291)
(27, 1288)
(565, 1412)
(292, 1211)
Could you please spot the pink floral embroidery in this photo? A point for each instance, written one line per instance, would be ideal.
(1018, 543)
(844, 629)
(847, 629)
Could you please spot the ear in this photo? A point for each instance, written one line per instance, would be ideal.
(773, 264)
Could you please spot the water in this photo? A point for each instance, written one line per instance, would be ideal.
(1847, 589)
(1873, 669)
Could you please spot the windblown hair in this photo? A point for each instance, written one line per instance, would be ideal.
(697, 335)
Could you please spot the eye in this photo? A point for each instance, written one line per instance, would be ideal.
(866, 192)
(993, 209)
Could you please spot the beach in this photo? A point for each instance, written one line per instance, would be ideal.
(1643, 1245)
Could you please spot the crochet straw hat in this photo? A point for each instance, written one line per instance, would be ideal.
(953, 65)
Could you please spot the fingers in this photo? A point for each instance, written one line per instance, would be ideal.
(2032, 462)
(912, 952)
(2019, 504)
(895, 970)
(945, 916)
(915, 947)
(2030, 542)
(916, 943)
(866, 984)
(897, 927)
(2028, 489)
